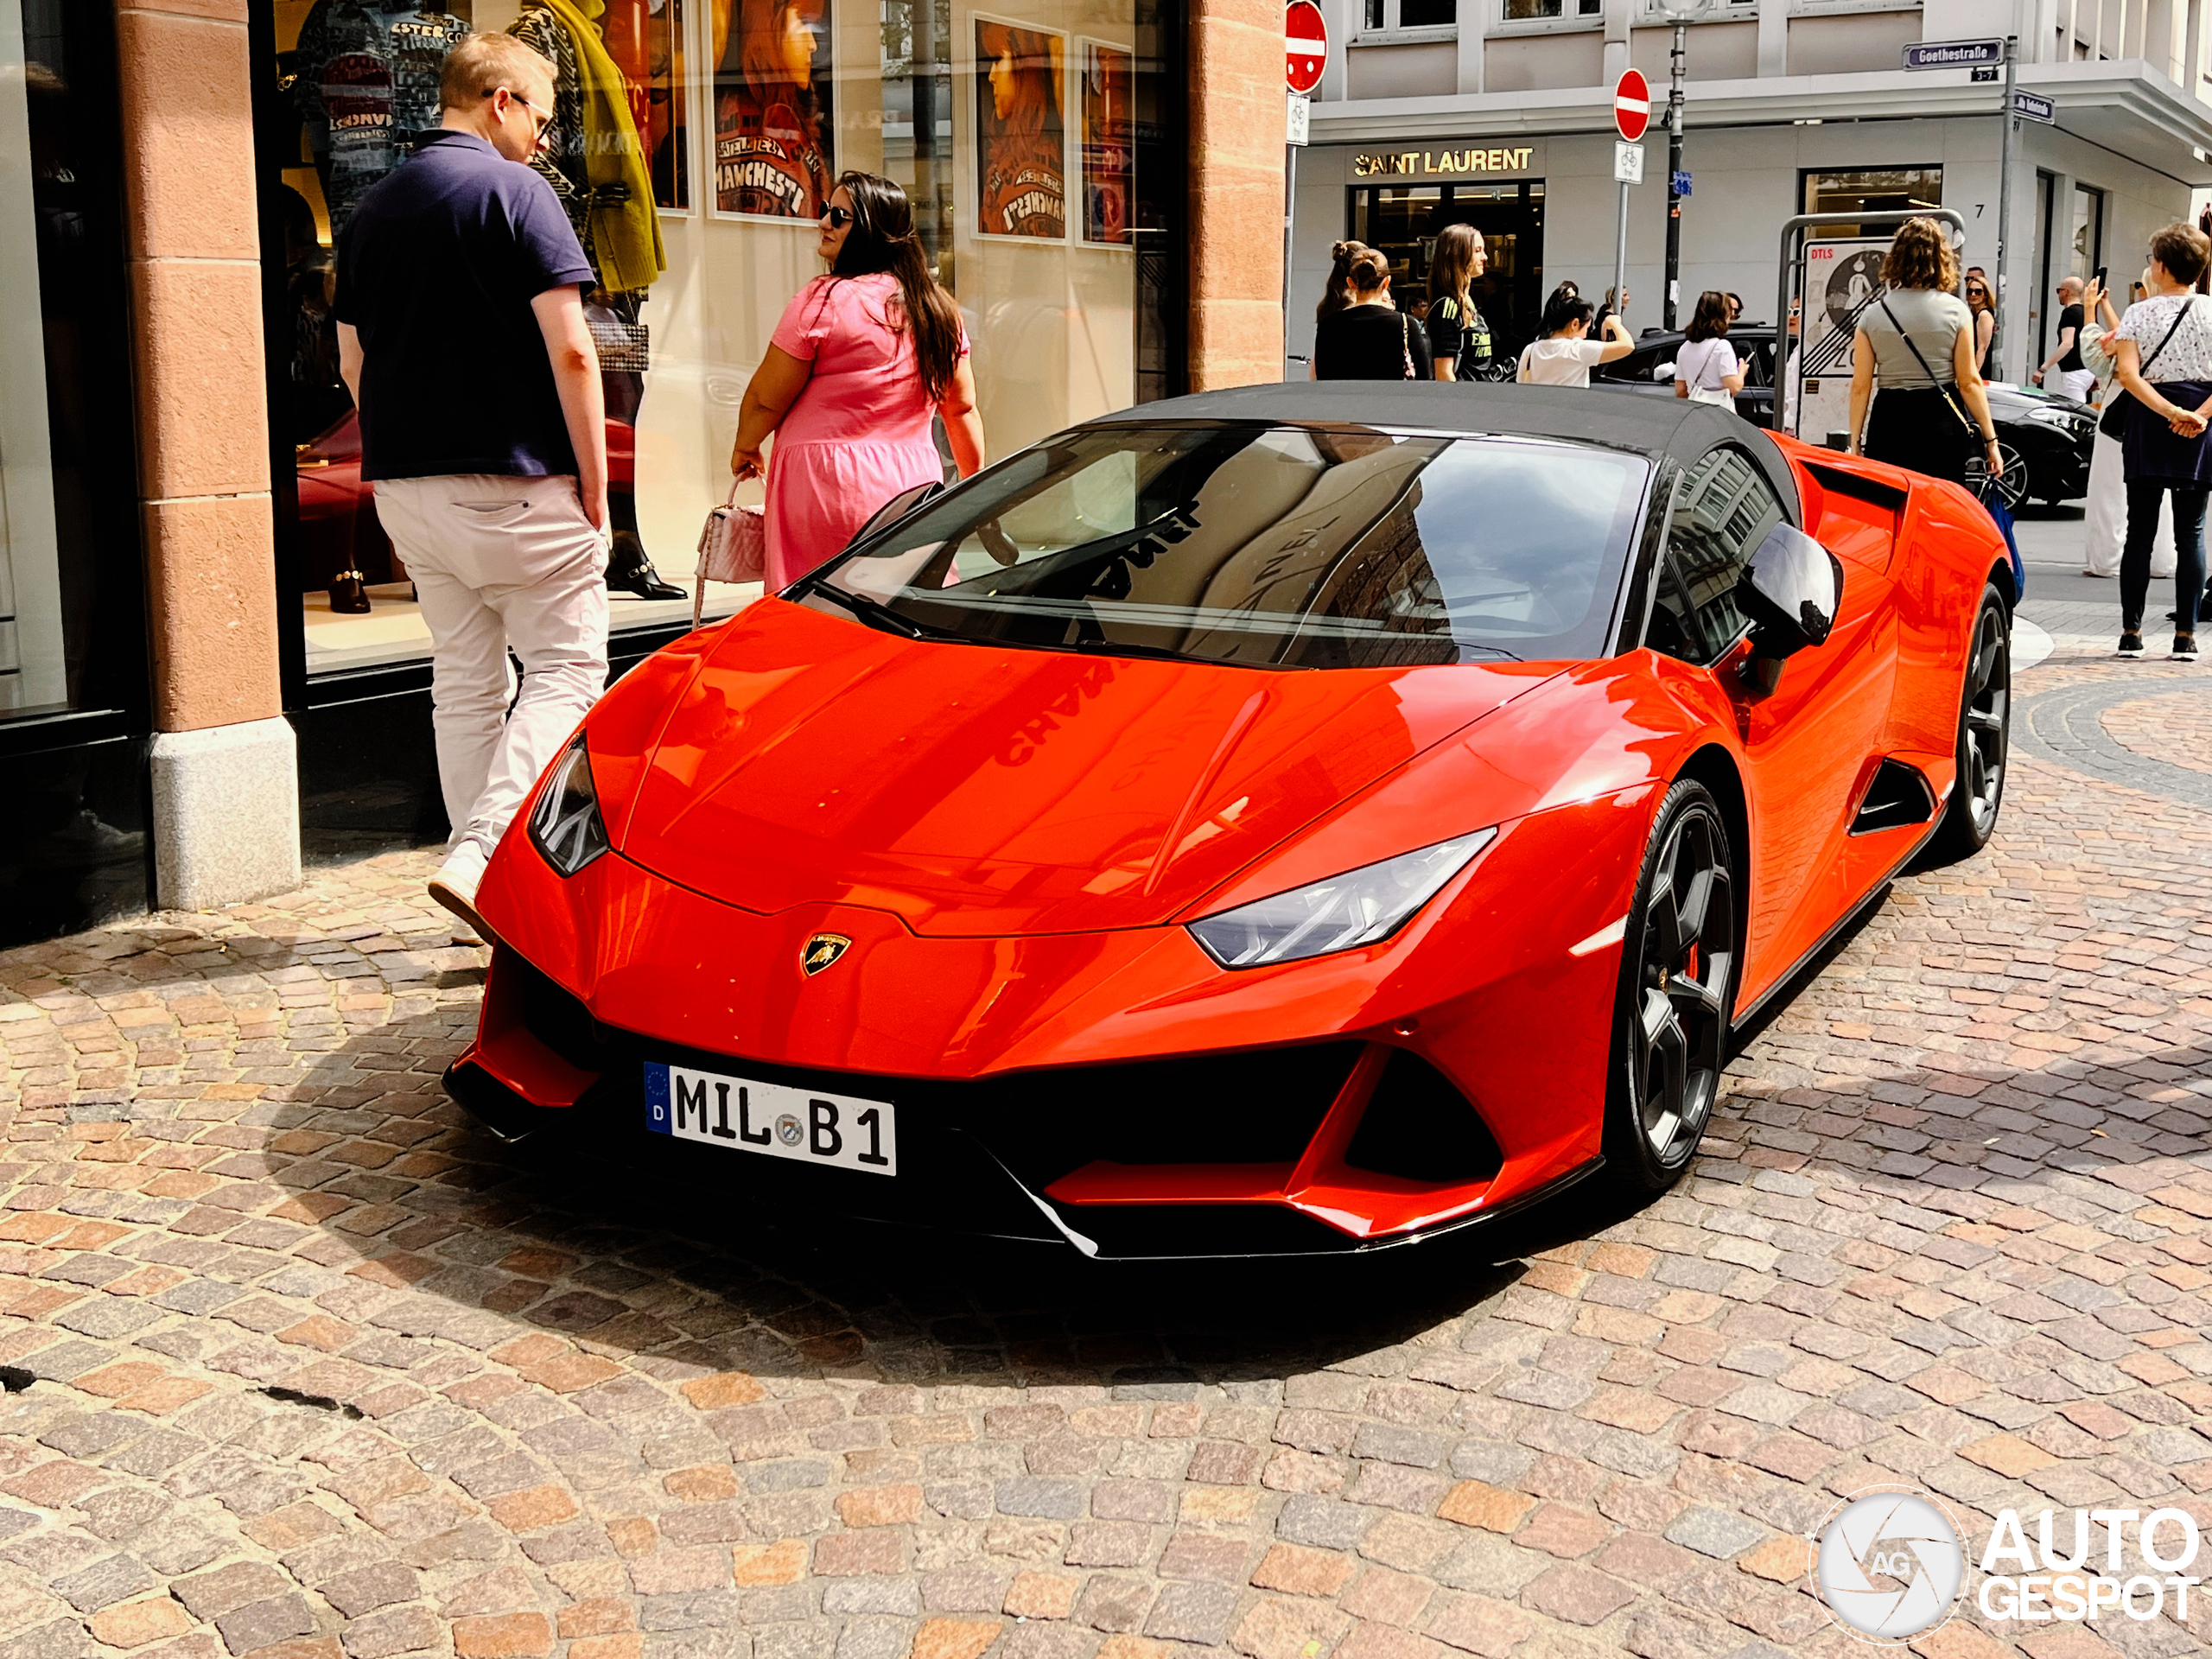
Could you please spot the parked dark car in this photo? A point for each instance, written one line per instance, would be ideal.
(2049, 435)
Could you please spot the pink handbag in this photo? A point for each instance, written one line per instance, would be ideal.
(733, 547)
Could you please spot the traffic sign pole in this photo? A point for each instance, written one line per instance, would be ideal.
(1673, 295)
(1631, 116)
(1305, 51)
(2004, 202)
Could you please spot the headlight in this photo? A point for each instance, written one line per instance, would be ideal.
(2053, 415)
(566, 824)
(1340, 913)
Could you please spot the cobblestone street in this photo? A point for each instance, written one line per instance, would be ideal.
(299, 1363)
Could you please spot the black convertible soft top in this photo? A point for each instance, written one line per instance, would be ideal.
(1672, 426)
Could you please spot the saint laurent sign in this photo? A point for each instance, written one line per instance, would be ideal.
(1508, 160)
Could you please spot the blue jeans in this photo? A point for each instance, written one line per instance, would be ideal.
(2143, 495)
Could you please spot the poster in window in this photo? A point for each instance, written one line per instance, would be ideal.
(1021, 131)
(1106, 143)
(772, 107)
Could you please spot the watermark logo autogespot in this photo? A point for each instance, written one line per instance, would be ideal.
(1890, 1564)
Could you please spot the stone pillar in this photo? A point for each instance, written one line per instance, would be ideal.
(227, 824)
(1236, 203)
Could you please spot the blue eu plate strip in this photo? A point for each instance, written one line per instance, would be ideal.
(657, 1097)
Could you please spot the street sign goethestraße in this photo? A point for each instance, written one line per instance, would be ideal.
(1953, 55)
(1306, 44)
(1632, 106)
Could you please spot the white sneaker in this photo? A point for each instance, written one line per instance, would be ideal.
(455, 886)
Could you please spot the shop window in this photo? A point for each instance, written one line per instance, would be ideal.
(1016, 132)
(59, 467)
(2087, 247)
(1871, 190)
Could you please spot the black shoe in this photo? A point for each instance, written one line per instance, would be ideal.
(2131, 645)
(349, 594)
(629, 571)
(2184, 649)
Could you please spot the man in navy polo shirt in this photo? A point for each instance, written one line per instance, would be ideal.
(462, 336)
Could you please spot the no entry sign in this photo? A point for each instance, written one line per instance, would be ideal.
(1306, 44)
(1632, 106)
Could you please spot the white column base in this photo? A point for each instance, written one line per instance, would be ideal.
(226, 814)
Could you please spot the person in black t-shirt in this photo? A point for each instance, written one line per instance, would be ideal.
(2074, 379)
(1370, 339)
(1458, 336)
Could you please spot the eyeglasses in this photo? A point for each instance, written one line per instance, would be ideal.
(540, 119)
(838, 217)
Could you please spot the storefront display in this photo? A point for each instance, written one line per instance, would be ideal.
(985, 119)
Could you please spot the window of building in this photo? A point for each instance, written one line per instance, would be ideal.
(1381, 15)
(2087, 245)
(1028, 138)
(1873, 190)
(1522, 11)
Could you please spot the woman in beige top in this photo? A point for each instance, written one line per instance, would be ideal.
(1919, 338)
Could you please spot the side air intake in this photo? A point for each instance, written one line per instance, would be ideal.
(1898, 796)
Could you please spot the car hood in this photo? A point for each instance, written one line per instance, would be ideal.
(976, 791)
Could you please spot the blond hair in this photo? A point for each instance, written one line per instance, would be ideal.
(481, 64)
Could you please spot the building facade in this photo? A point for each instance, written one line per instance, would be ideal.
(1499, 113)
(211, 665)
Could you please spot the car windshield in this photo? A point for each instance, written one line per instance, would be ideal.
(1263, 547)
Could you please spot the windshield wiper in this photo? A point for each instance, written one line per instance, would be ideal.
(873, 613)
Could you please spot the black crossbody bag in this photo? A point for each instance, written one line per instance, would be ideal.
(2113, 422)
(1973, 432)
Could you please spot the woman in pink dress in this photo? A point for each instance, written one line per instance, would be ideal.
(862, 360)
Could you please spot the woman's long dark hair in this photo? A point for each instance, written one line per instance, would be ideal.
(1452, 267)
(882, 238)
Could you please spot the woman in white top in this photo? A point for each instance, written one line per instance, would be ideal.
(2163, 354)
(1564, 357)
(1707, 369)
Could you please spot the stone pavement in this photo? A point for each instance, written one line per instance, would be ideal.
(298, 1364)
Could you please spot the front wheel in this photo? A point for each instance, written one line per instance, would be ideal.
(1985, 735)
(1677, 989)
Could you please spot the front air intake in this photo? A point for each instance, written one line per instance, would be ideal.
(1418, 1127)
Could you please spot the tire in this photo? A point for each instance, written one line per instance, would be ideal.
(1984, 735)
(1677, 995)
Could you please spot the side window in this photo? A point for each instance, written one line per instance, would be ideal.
(1723, 508)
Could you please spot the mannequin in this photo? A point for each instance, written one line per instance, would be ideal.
(366, 82)
(594, 156)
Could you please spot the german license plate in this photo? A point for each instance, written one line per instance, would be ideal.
(772, 1119)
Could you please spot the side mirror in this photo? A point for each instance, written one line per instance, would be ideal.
(1791, 591)
(895, 509)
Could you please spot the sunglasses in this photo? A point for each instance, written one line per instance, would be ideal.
(838, 217)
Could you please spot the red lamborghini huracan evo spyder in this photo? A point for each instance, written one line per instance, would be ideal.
(1297, 819)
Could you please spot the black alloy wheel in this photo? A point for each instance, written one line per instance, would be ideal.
(2013, 486)
(1677, 988)
(1985, 734)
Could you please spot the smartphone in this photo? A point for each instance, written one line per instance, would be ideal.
(2100, 277)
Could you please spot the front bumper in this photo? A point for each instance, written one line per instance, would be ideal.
(1116, 1091)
